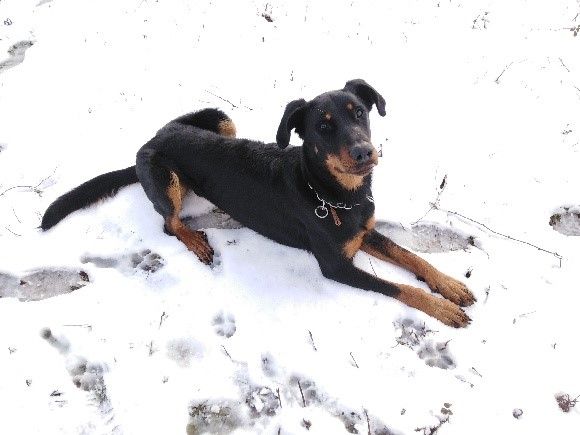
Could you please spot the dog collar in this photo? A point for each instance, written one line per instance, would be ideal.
(321, 211)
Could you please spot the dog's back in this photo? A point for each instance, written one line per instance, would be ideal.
(108, 184)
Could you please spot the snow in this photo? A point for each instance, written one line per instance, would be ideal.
(485, 94)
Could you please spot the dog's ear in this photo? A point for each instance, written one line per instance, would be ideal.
(367, 94)
(293, 118)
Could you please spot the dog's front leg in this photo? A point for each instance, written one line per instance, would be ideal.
(384, 248)
(443, 310)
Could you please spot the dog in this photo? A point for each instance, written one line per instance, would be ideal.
(315, 197)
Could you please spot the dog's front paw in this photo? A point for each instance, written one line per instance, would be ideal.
(443, 310)
(448, 313)
(451, 289)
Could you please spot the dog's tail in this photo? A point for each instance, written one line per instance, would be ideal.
(86, 194)
(108, 184)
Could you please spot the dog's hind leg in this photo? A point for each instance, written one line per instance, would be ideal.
(163, 187)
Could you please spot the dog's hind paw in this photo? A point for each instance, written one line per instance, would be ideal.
(200, 246)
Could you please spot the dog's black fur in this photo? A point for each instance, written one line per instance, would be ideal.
(315, 197)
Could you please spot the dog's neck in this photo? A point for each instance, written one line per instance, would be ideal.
(329, 189)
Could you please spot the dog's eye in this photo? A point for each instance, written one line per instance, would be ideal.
(359, 112)
(325, 127)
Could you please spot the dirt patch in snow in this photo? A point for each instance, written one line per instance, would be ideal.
(42, 284)
(427, 237)
(213, 219)
(566, 220)
(16, 53)
(144, 260)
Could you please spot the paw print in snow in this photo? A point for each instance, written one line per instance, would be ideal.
(147, 261)
(225, 324)
(144, 260)
(415, 336)
(436, 355)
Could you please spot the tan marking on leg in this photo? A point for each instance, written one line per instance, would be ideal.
(195, 241)
(441, 309)
(227, 128)
(352, 246)
(328, 116)
(448, 287)
(370, 223)
(176, 191)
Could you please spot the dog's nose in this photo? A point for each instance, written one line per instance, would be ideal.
(361, 153)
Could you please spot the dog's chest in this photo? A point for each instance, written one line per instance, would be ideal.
(346, 228)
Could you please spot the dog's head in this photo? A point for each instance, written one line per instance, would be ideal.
(336, 131)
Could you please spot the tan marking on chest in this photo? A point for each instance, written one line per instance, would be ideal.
(349, 106)
(351, 247)
(338, 170)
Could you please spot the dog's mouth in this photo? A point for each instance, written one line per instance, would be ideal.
(362, 170)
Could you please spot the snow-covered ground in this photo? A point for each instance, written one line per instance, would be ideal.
(482, 94)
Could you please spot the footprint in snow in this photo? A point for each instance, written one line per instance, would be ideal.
(86, 375)
(42, 284)
(566, 220)
(427, 237)
(224, 324)
(415, 336)
(143, 260)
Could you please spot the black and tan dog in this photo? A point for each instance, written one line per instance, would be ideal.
(315, 197)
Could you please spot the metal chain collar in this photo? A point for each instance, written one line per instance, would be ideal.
(321, 211)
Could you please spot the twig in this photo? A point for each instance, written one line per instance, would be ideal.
(163, 317)
(81, 326)
(432, 430)
(368, 422)
(227, 353)
(355, 364)
(435, 203)
(30, 187)
(312, 340)
(563, 64)
(16, 187)
(501, 74)
(151, 351)
(555, 254)
(487, 289)
(372, 267)
(16, 234)
(279, 398)
(459, 378)
(302, 394)
(16, 216)
(445, 344)
(476, 372)
(223, 99)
